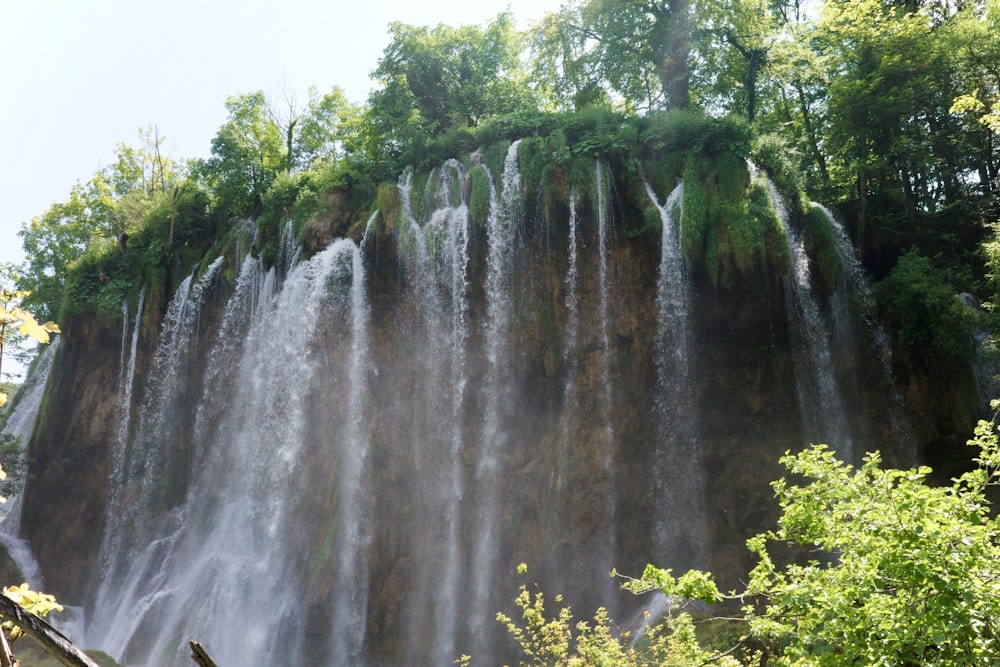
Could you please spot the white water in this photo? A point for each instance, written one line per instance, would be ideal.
(603, 284)
(501, 230)
(571, 342)
(680, 484)
(268, 541)
(20, 424)
(438, 263)
(854, 285)
(821, 406)
(215, 566)
(126, 384)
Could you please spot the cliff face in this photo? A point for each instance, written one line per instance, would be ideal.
(378, 435)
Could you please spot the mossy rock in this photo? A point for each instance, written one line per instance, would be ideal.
(479, 195)
(823, 249)
(30, 654)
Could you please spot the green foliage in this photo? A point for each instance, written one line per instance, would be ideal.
(823, 248)
(729, 225)
(685, 131)
(922, 307)
(552, 642)
(479, 197)
(771, 153)
(915, 581)
(436, 84)
(389, 208)
(248, 152)
(320, 130)
(13, 464)
(896, 572)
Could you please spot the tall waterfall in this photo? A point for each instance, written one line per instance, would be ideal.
(214, 556)
(679, 481)
(341, 459)
(821, 405)
(438, 333)
(502, 230)
(20, 424)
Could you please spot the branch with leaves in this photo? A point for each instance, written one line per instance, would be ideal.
(14, 319)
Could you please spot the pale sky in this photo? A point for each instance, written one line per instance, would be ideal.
(79, 76)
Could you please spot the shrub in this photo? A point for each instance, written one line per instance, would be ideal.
(921, 306)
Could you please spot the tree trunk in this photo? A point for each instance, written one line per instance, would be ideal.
(674, 65)
(810, 131)
(50, 639)
(200, 655)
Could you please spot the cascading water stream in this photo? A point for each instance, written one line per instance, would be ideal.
(821, 406)
(222, 558)
(126, 384)
(437, 258)
(138, 463)
(603, 295)
(571, 341)
(501, 230)
(350, 605)
(853, 281)
(680, 484)
(20, 424)
(438, 255)
(223, 356)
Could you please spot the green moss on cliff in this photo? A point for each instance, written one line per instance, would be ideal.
(479, 196)
(823, 248)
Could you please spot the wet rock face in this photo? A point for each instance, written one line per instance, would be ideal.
(536, 440)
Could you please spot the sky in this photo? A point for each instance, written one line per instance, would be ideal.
(79, 76)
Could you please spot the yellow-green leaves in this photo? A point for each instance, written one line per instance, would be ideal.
(13, 318)
(39, 604)
(972, 104)
(22, 319)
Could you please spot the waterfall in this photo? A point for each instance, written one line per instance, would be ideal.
(216, 565)
(679, 482)
(438, 260)
(126, 383)
(853, 281)
(340, 459)
(349, 601)
(571, 341)
(449, 224)
(501, 230)
(20, 424)
(603, 292)
(821, 406)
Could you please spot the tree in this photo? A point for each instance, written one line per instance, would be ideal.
(321, 129)
(552, 642)
(638, 49)
(51, 241)
(248, 152)
(457, 76)
(893, 571)
(734, 52)
(436, 80)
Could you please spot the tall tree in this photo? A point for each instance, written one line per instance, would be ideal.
(638, 49)
(248, 152)
(51, 241)
(321, 128)
(457, 76)
(444, 78)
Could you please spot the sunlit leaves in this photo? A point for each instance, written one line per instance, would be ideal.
(901, 572)
(13, 318)
(40, 604)
(557, 642)
(890, 571)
